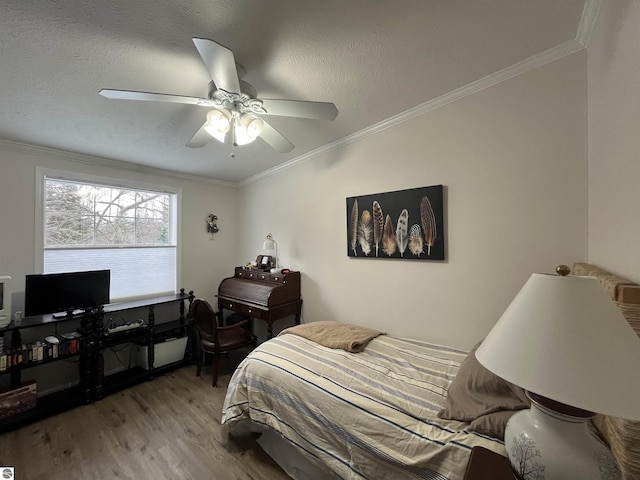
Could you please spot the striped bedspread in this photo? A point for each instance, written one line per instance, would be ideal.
(362, 415)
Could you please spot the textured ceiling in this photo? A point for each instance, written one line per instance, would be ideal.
(373, 59)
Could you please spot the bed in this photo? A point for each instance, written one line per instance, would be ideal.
(388, 411)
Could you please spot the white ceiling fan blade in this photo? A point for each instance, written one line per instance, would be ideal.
(200, 138)
(221, 64)
(274, 138)
(153, 97)
(296, 108)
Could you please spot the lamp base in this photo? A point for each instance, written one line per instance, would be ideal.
(552, 441)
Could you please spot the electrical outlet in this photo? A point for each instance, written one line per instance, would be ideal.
(17, 318)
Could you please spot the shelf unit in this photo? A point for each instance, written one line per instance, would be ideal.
(95, 338)
(54, 402)
(147, 334)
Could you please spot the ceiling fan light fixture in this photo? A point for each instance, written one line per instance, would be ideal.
(218, 124)
(247, 128)
(232, 103)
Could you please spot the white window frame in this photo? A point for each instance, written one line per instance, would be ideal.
(46, 173)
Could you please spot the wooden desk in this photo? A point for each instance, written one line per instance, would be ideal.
(262, 295)
(485, 464)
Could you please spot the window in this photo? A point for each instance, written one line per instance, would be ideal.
(93, 223)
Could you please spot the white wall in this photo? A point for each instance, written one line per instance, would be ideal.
(204, 262)
(614, 139)
(513, 161)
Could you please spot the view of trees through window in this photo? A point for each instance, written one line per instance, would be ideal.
(82, 215)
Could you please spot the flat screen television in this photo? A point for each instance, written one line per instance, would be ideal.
(66, 292)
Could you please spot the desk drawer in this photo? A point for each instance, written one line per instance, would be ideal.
(245, 309)
(235, 306)
(252, 311)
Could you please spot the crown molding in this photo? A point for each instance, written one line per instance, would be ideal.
(531, 63)
(588, 21)
(49, 152)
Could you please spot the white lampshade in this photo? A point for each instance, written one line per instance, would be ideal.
(269, 244)
(270, 247)
(218, 124)
(564, 338)
(247, 128)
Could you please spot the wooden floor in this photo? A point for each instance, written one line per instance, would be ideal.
(167, 428)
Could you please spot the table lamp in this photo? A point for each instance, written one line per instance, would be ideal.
(565, 342)
(271, 247)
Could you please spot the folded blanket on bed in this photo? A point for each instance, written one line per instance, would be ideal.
(351, 338)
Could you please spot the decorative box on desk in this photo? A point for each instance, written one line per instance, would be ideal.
(262, 295)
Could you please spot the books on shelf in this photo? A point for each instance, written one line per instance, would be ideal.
(39, 351)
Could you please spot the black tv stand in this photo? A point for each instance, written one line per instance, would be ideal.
(92, 340)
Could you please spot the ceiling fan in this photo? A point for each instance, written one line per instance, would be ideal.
(233, 104)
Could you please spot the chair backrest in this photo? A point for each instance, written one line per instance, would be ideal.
(205, 319)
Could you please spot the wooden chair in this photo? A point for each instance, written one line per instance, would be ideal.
(218, 340)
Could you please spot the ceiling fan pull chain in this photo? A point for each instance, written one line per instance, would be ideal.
(233, 132)
(233, 137)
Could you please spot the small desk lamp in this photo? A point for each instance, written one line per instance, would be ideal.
(271, 245)
(564, 341)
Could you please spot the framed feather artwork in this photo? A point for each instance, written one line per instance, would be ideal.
(405, 224)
